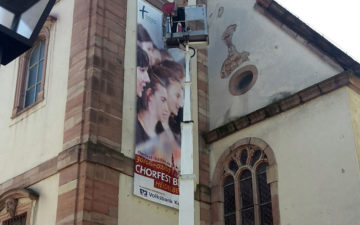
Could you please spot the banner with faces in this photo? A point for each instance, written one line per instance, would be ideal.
(160, 75)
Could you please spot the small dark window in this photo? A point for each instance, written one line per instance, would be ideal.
(229, 201)
(243, 80)
(17, 220)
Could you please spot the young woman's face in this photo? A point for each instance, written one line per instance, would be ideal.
(148, 47)
(160, 103)
(142, 77)
(175, 93)
(153, 53)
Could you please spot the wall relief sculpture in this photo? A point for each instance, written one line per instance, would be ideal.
(11, 205)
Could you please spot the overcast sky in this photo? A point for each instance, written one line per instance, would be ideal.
(337, 20)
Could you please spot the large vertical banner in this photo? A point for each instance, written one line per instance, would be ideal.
(159, 90)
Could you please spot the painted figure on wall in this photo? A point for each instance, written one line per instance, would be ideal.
(235, 58)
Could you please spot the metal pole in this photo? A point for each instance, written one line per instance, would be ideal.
(187, 176)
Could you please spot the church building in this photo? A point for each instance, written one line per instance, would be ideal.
(275, 108)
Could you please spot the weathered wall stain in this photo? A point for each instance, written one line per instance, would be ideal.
(278, 96)
(220, 11)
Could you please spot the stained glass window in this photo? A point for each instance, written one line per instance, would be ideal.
(251, 189)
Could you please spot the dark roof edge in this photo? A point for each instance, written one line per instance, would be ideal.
(310, 35)
(345, 78)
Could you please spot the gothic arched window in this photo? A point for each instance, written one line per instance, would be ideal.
(249, 194)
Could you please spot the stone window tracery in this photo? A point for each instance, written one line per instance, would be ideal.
(246, 186)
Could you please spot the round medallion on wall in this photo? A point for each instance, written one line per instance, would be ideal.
(243, 80)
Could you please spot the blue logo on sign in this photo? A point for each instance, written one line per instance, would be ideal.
(143, 192)
(143, 11)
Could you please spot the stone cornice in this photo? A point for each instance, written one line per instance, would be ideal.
(88, 152)
(346, 78)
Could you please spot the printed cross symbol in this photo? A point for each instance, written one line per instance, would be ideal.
(143, 11)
